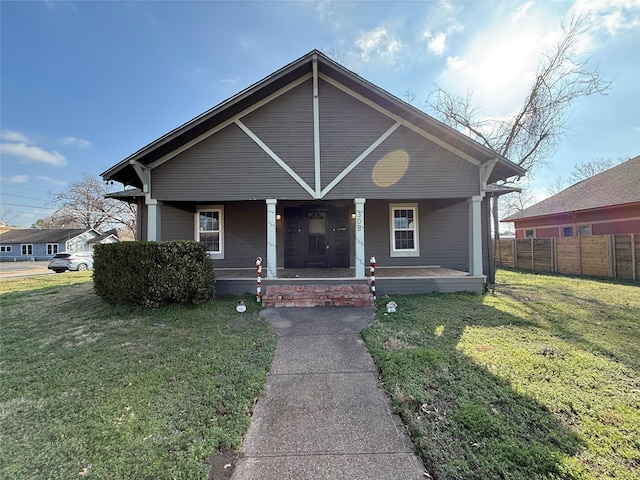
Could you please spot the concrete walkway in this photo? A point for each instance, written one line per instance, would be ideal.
(322, 415)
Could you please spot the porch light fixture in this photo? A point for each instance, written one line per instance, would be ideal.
(278, 217)
(353, 215)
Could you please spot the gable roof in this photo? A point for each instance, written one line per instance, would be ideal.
(125, 173)
(52, 235)
(619, 185)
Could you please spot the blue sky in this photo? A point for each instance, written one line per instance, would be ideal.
(85, 84)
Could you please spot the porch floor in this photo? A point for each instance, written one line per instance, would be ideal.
(327, 273)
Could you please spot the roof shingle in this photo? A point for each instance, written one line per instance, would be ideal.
(53, 235)
(619, 185)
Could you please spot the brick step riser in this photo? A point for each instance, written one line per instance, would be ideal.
(317, 296)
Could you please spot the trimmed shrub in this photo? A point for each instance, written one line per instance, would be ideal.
(153, 274)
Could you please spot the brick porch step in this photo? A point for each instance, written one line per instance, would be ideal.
(343, 295)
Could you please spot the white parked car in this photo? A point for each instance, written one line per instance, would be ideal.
(76, 261)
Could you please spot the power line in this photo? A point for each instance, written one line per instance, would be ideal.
(29, 206)
(22, 196)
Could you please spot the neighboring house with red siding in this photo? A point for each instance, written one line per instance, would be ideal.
(316, 170)
(606, 203)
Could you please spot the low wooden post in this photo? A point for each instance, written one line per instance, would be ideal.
(372, 271)
(259, 279)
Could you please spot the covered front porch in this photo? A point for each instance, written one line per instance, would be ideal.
(388, 280)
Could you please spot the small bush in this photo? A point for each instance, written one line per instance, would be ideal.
(153, 274)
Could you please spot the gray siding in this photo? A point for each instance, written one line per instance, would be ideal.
(229, 166)
(176, 223)
(224, 167)
(432, 172)
(245, 234)
(347, 128)
(443, 234)
(286, 126)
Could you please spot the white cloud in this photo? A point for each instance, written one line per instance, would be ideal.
(75, 142)
(326, 12)
(15, 179)
(437, 43)
(455, 26)
(499, 62)
(15, 136)
(54, 181)
(378, 44)
(228, 81)
(522, 11)
(610, 15)
(33, 153)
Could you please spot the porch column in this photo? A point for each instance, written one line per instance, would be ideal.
(153, 220)
(272, 253)
(360, 260)
(475, 236)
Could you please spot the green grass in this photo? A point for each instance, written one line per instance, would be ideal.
(539, 379)
(88, 389)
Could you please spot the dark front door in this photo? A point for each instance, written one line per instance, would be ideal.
(316, 237)
(317, 245)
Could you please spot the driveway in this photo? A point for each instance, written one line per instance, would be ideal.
(23, 269)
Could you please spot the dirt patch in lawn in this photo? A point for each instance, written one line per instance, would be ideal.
(223, 464)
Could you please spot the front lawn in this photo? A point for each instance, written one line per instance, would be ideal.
(97, 391)
(540, 379)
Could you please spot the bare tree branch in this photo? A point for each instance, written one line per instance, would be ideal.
(84, 205)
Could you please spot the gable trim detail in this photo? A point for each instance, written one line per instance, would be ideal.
(401, 120)
(359, 159)
(229, 121)
(276, 158)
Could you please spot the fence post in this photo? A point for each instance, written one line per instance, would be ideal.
(580, 254)
(554, 255)
(634, 273)
(514, 245)
(613, 261)
(533, 263)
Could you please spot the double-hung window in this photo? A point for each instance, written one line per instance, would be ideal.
(404, 230)
(27, 249)
(52, 248)
(584, 230)
(567, 231)
(210, 230)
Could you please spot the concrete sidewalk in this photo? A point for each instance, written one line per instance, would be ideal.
(322, 415)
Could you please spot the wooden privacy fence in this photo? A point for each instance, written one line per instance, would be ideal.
(616, 256)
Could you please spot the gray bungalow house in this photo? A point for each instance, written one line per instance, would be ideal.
(32, 244)
(316, 170)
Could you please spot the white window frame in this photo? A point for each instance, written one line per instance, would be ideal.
(5, 248)
(572, 231)
(580, 234)
(216, 255)
(404, 252)
(52, 248)
(29, 249)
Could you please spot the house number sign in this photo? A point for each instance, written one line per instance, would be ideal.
(359, 220)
